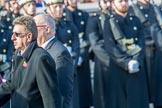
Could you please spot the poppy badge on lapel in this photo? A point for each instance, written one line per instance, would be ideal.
(25, 64)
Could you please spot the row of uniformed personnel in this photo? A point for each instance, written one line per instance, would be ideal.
(126, 41)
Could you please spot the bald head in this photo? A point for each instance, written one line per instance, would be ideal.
(45, 19)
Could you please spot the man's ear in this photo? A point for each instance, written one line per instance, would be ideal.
(29, 37)
(48, 29)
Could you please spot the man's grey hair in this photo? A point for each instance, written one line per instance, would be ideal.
(47, 19)
(29, 23)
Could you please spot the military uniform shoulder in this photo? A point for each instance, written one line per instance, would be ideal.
(133, 18)
(65, 21)
(81, 12)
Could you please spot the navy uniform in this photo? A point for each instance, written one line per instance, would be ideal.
(6, 48)
(125, 43)
(7, 19)
(156, 32)
(156, 75)
(79, 18)
(148, 17)
(95, 34)
(9, 15)
(159, 14)
(67, 33)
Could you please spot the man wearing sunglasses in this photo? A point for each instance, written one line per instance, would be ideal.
(33, 82)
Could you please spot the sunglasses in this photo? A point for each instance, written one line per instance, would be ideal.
(18, 34)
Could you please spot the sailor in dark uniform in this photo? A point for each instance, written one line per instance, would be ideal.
(94, 32)
(6, 48)
(12, 11)
(151, 20)
(124, 41)
(79, 18)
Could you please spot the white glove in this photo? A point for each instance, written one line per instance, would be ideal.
(80, 61)
(69, 49)
(133, 66)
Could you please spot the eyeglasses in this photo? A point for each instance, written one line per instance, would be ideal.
(41, 25)
(18, 34)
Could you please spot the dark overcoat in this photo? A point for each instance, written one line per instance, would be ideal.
(152, 29)
(156, 75)
(33, 82)
(79, 18)
(94, 31)
(125, 90)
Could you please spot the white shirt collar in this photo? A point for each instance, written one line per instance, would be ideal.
(45, 44)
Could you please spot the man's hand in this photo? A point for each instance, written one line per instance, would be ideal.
(133, 66)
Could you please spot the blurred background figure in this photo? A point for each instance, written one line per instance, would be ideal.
(39, 3)
(124, 42)
(79, 18)
(94, 32)
(27, 7)
(10, 10)
(151, 18)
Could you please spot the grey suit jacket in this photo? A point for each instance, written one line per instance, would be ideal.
(64, 70)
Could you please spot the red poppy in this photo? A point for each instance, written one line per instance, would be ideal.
(25, 64)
